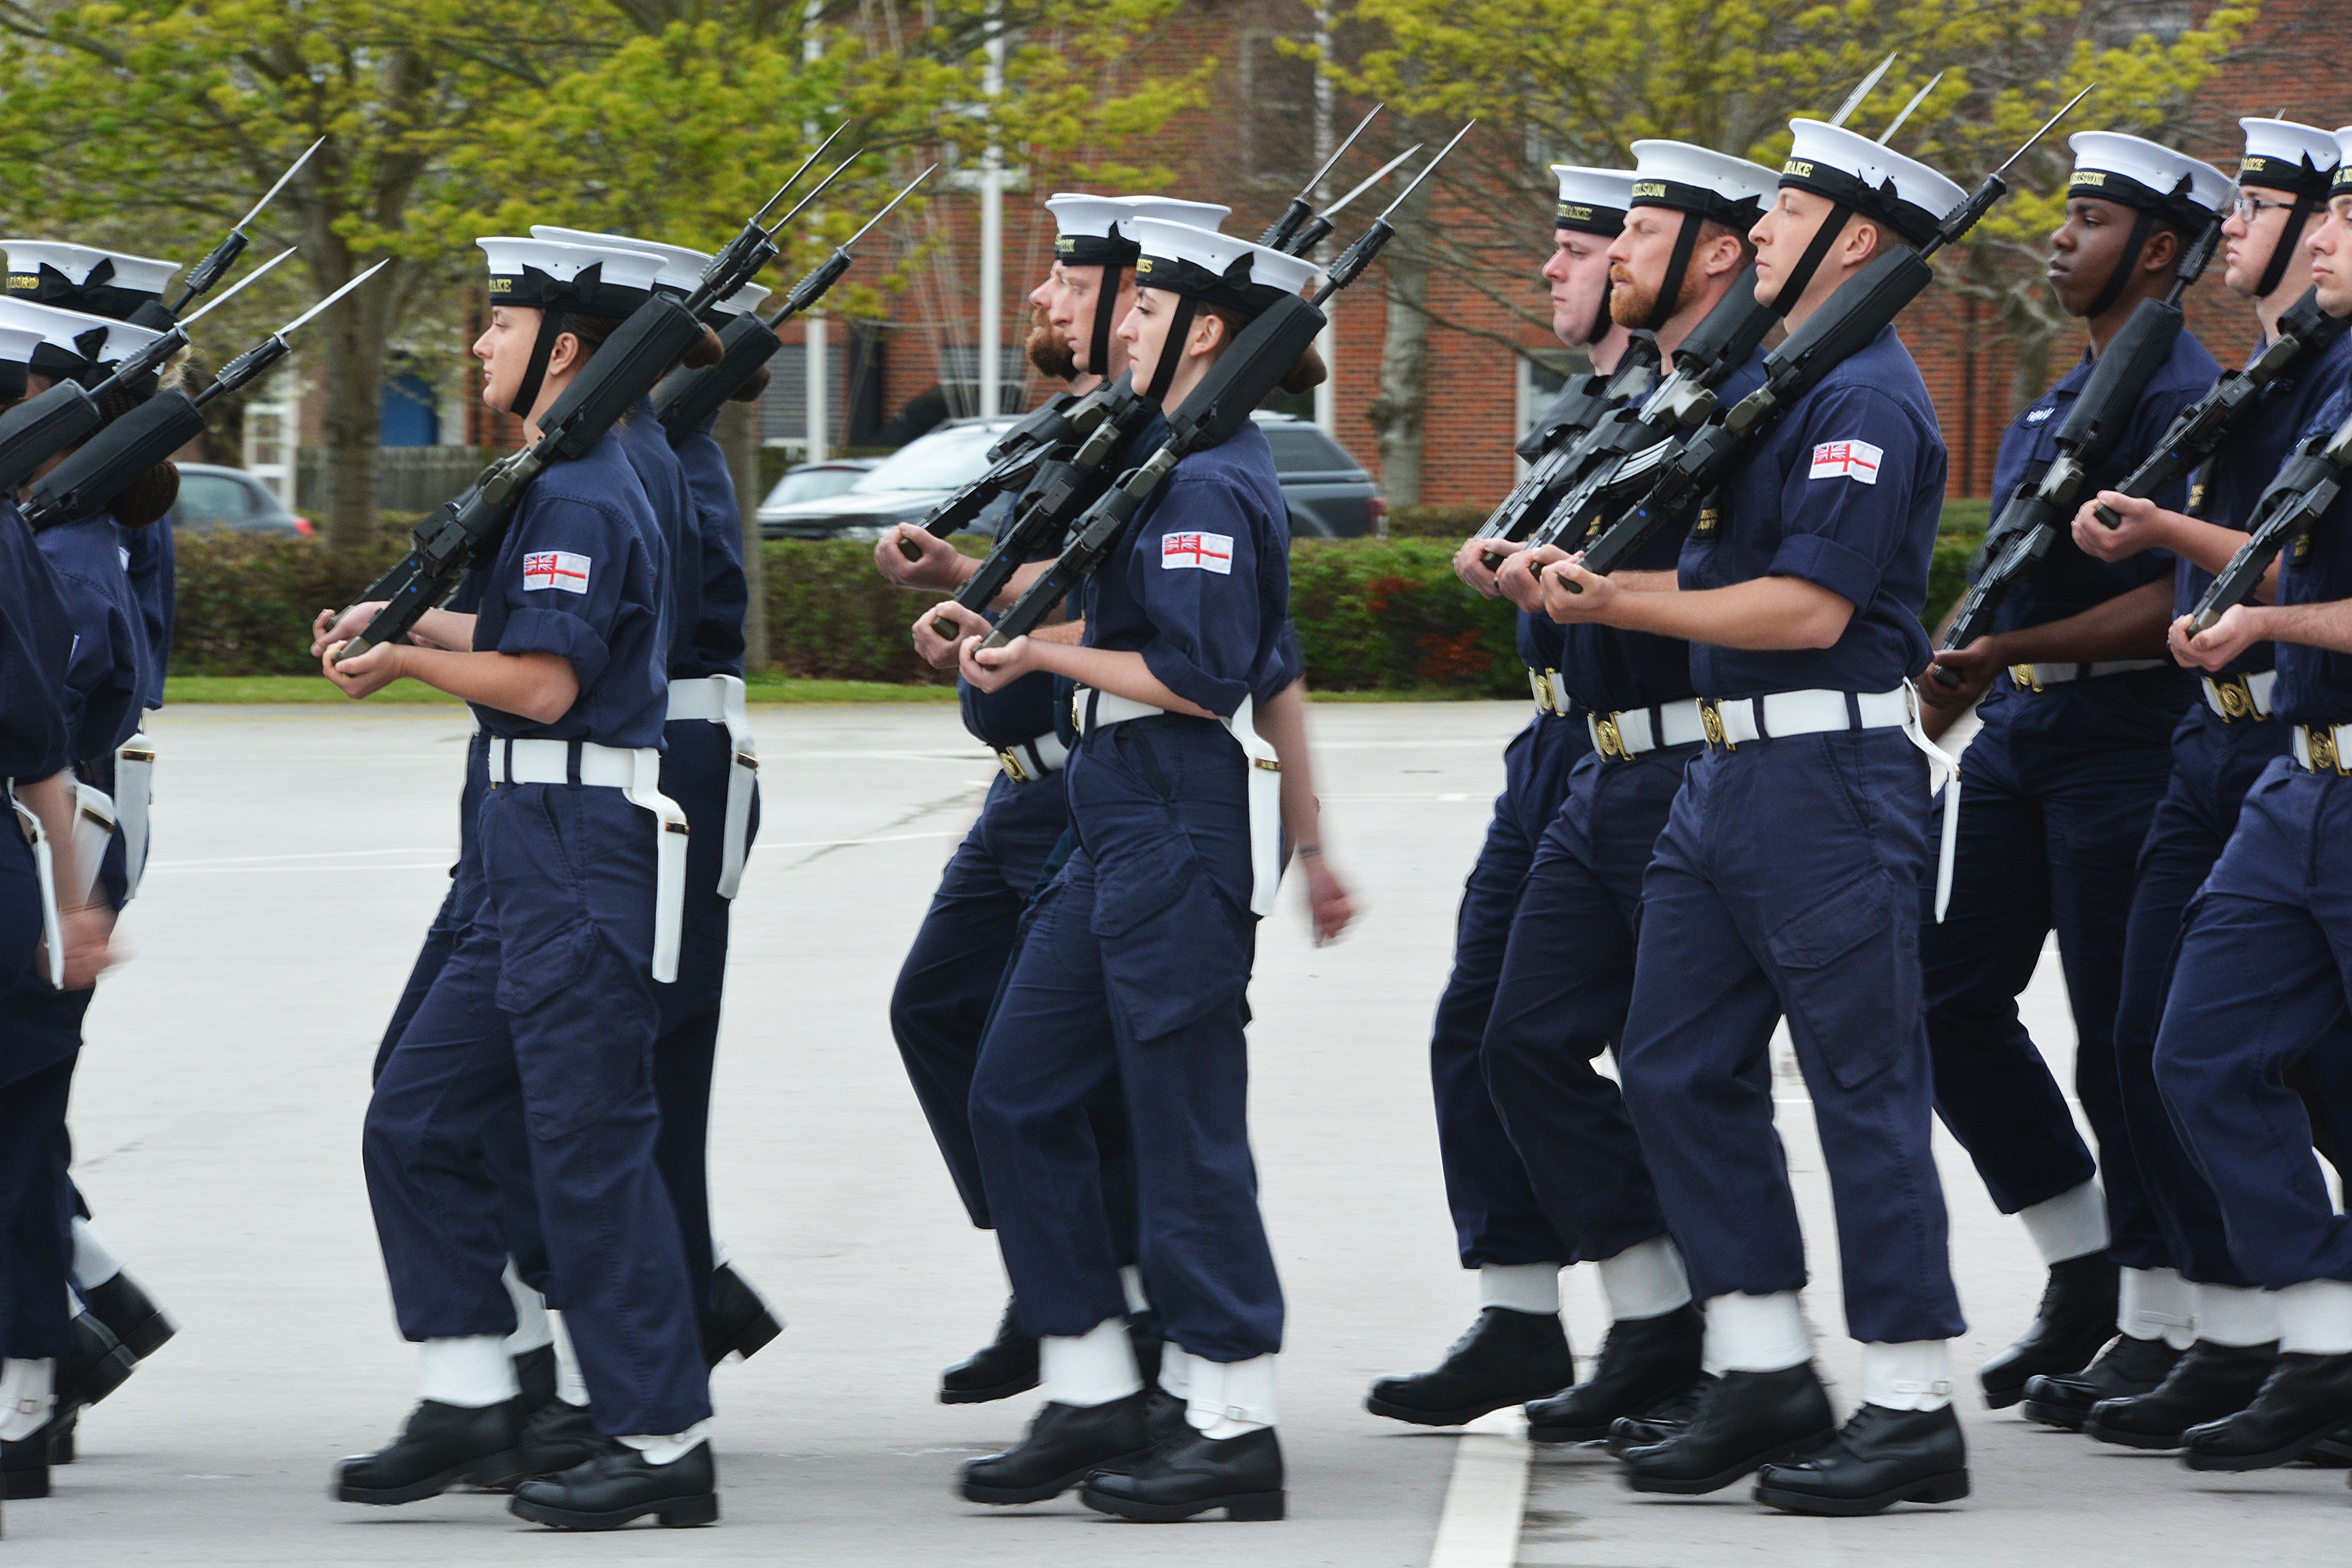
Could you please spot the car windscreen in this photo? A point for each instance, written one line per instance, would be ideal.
(1304, 449)
(943, 460)
(214, 500)
(812, 484)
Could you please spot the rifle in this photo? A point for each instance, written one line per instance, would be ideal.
(2030, 520)
(217, 263)
(2204, 426)
(1279, 233)
(1847, 322)
(467, 530)
(38, 428)
(104, 467)
(2302, 491)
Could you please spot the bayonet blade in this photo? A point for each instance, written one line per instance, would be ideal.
(1917, 100)
(806, 163)
(1862, 90)
(331, 298)
(1306, 192)
(1385, 171)
(2046, 124)
(813, 195)
(889, 207)
(292, 170)
(1432, 164)
(187, 321)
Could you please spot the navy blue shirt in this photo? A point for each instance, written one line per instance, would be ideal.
(102, 679)
(1845, 492)
(579, 575)
(152, 582)
(646, 446)
(714, 644)
(1199, 580)
(1610, 671)
(36, 644)
(2225, 490)
(2314, 686)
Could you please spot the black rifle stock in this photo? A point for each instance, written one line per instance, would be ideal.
(1014, 465)
(2306, 487)
(1554, 448)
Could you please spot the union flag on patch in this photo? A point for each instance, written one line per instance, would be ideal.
(1208, 552)
(555, 569)
(1846, 460)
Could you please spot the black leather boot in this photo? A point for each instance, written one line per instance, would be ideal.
(1193, 1475)
(2128, 1366)
(93, 1367)
(556, 1436)
(535, 1376)
(1063, 1445)
(1000, 1369)
(62, 1446)
(619, 1485)
(2076, 1317)
(1143, 1333)
(1744, 1421)
(1642, 1360)
(130, 1314)
(441, 1446)
(740, 1323)
(1163, 1414)
(1879, 1457)
(2209, 1382)
(1661, 1420)
(1506, 1358)
(25, 1467)
(2305, 1400)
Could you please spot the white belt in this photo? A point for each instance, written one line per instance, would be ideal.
(45, 866)
(2324, 748)
(636, 774)
(1026, 762)
(2033, 678)
(1265, 781)
(1779, 715)
(93, 830)
(1636, 730)
(134, 790)
(2241, 696)
(719, 700)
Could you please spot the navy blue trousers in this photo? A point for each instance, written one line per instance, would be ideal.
(1497, 1218)
(2049, 838)
(40, 1041)
(2261, 985)
(1134, 970)
(1785, 883)
(545, 1002)
(457, 905)
(1566, 982)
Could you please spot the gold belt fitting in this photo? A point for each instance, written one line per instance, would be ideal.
(2236, 697)
(1710, 719)
(2320, 741)
(2025, 678)
(1606, 735)
(1539, 683)
(1014, 767)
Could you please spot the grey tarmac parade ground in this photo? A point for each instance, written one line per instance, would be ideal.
(299, 854)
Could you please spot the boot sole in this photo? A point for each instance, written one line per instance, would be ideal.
(145, 1337)
(1006, 1497)
(2287, 1454)
(1539, 1433)
(14, 1484)
(1456, 1417)
(111, 1371)
(984, 1395)
(1677, 1486)
(672, 1512)
(489, 1471)
(2153, 1442)
(1950, 1487)
(2064, 1417)
(750, 1340)
(1245, 1508)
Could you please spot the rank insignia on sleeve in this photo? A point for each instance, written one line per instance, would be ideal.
(1846, 460)
(1206, 552)
(555, 569)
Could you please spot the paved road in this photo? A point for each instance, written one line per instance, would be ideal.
(299, 853)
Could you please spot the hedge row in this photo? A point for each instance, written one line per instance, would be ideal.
(1373, 614)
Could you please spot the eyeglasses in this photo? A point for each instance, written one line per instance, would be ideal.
(2249, 208)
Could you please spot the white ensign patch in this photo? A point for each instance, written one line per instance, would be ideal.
(555, 569)
(1209, 552)
(1846, 460)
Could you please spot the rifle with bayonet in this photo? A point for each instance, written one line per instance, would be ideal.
(465, 532)
(1847, 322)
(2299, 496)
(2031, 519)
(222, 256)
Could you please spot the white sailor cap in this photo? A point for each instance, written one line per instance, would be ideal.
(1593, 201)
(1693, 179)
(681, 267)
(1098, 231)
(605, 278)
(67, 344)
(84, 277)
(2282, 155)
(1215, 268)
(2148, 176)
(1876, 182)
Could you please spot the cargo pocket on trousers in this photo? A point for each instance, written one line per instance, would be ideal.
(1849, 976)
(543, 963)
(1174, 947)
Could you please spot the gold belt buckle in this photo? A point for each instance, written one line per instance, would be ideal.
(2236, 697)
(1710, 719)
(2024, 677)
(1539, 683)
(1013, 767)
(2320, 741)
(1607, 737)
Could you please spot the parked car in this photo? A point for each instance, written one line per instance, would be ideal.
(901, 488)
(214, 499)
(1331, 493)
(815, 481)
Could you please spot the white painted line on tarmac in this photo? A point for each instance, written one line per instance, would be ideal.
(1487, 1497)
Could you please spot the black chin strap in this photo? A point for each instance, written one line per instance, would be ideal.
(1817, 250)
(2120, 279)
(534, 373)
(1601, 319)
(2289, 237)
(1105, 306)
(1179, 326)
(1670, 287)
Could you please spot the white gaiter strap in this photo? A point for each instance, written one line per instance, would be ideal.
(1231, 1398)
(1092, 1368)
(27, 1396)
(1521, 1286)
(94, 1262)
(2315, 1318)
(532, 1327)
(570, 1385)
(2071, 1225)
(1912, 1375)
(2157, 1303)
(1645, 1281)
(669, 1450)
(1130, 1280)
(472, 1371)
(2236, 1315)
(1176, 1365)
(1755, 1334)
